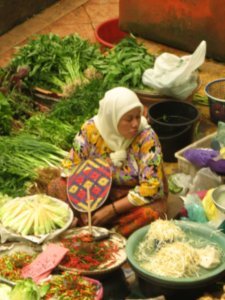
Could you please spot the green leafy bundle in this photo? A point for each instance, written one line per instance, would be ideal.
(81, 105)
(50, 129)
(56, 63)
(20, 158)
(125, 63)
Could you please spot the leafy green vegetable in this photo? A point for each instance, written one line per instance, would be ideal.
(125, 63)
(81, 105)
(56, 63)
(5, 115)
(21, 157)
(50, 129)
(25, 289)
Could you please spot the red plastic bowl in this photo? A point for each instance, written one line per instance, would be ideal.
(109, 34)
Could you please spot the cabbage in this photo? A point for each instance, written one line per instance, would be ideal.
(25, 290)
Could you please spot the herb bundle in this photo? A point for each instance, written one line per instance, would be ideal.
(56, 64)
(21, 156)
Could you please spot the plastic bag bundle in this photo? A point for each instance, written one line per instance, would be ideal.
(195, 209)
(200, 157)
(204, 179)
(175, 76)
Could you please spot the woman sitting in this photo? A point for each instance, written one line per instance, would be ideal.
(121, 135)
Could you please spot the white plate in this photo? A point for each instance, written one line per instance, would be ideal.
(8, 235)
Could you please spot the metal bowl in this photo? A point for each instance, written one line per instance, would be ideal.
(218, 197)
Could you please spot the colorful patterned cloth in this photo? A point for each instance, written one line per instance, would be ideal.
(143, 170)
(141, 177)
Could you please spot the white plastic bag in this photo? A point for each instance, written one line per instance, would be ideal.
(205, 179)
(175, 76)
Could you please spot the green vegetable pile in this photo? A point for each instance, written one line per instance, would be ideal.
(55, 63)
(26, 289)
(125, 64)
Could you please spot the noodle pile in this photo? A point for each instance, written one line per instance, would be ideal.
(176, 260)
(167, 251)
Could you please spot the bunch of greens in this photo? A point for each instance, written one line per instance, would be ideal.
(50, 129)
(125, 63)
(13, 98)
(79, 106)
(21, 157)
(22, 105)
(55, 63)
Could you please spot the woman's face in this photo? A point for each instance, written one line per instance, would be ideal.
(129, 123)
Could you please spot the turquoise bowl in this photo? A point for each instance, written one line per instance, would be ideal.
(196, 231)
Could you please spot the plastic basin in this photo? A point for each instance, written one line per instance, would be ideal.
(109, 34)
(154, 285)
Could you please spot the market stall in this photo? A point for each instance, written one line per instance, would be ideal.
(49, 87)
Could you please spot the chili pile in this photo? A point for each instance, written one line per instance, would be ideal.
(71, 286)
(86, 254)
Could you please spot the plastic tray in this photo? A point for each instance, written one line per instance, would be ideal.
(183, 164)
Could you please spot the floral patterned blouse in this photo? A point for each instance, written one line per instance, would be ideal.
(142, 171)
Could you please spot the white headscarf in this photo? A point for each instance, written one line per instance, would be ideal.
(117, 102)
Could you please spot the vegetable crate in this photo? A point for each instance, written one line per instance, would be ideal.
(183, 164)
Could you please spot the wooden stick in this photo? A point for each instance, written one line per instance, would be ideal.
(89, 209)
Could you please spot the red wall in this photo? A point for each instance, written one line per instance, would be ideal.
(181, 24)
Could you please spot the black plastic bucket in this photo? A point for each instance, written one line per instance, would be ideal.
(174, 122)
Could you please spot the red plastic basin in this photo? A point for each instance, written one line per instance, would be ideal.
(109, 34)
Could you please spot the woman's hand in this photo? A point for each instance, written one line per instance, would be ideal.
(103, 215)
(106, 213)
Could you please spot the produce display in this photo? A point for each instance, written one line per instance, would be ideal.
(55, 63)
(34, 215)
(79, 74)
(89, 256)
(66, 285)
(11, 264)
(36, 136)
